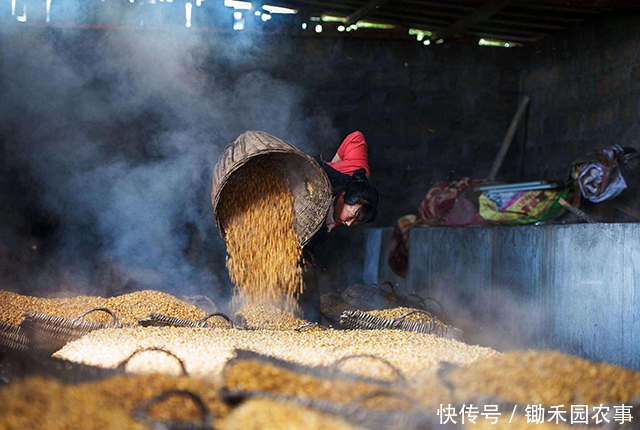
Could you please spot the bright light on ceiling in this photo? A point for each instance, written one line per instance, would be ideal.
(278, 9)
(237, 4)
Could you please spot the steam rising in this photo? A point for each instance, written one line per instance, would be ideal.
(107, 146)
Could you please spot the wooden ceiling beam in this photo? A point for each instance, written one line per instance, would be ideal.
(479, 15)
(541, 17)
(417, 6)
(559, 9)
(338, 9)
(502, 36)
(365, 10)
(414, 17)
(524, 24)
(447, 5)
(333, 8)
(342, 4)
(413, 6)
(510, 30)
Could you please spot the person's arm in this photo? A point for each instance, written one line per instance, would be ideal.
(336, 158)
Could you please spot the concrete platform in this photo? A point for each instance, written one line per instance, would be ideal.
(575, 288)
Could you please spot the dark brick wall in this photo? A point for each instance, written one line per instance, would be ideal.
(429, 114)
(585, 94)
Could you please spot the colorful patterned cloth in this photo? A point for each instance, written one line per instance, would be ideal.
(436, 206)
(441, 198)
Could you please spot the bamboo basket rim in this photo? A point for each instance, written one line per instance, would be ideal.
(220, 179)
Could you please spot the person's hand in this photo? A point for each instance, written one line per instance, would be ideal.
(336, 159)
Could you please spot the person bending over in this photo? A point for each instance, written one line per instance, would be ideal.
(355, 201)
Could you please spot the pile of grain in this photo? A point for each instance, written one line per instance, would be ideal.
(13, 305)
(269, 317)
(205, 351)
(257, 217)
(256, 376)
(518, 422)
(131, 307)
(128, 307)
(262, 414)
(547, 378)
(47, 403)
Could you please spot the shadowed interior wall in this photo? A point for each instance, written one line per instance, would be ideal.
(584, 86)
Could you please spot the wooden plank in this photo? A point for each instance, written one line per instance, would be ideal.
(446, 5)
(511, 31)
(508, 138)
(524, 24)
(409, 19)
(416, 6)
(560, 9)
(579, 212)
(567, 20)
(479, 15)
(403, 23)
(330, 7)
(503, 36)
(364, 11)
(412, 7)
(346, 4)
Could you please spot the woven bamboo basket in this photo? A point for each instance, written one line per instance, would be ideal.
(309, 184)
(51, 333)
(12, 337)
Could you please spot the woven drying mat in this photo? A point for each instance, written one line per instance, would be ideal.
(325, 372)
(159, 320)
(507, 407)
(365, 321)
(237, 322)
(354, 413)
(12, 337)
(18, 364)
(50, 333)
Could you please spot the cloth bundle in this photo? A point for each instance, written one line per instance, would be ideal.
(598, 175)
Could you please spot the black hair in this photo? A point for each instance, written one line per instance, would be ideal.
(359, 191)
